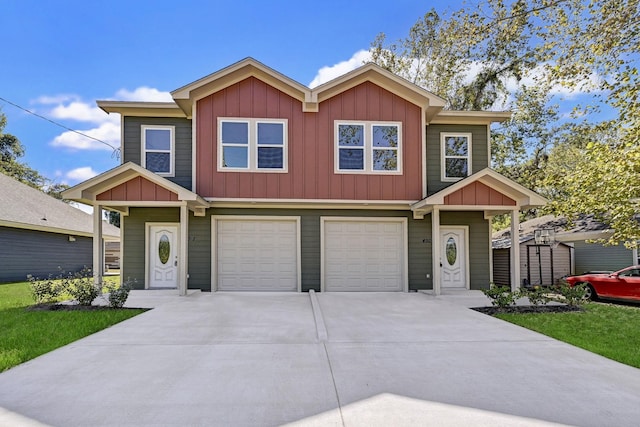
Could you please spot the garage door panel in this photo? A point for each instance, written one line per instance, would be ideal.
(257, 254)
(363, 255)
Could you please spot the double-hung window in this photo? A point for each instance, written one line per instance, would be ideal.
(456, 156)
(368, 147)
(251, 145)
(158, 146)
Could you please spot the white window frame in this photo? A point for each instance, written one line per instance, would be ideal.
(252, 145)
(171, 151)
(368, 147)
(444, 157)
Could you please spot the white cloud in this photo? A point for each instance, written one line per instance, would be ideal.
(82, 112)
(143, 93)
(107, 132)
(81, 174)
(330, 72)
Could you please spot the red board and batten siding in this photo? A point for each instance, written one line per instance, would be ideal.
(478, 194)
(138, 189)
(311, 145)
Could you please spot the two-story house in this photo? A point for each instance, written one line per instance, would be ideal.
(252, 181)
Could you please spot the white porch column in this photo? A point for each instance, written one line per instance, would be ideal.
(98, 247)
(435, 248)
(515, 250)
(183, 269)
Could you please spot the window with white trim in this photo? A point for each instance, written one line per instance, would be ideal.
(158, 149)
(456, 156)
(250, 145)
(368, 147)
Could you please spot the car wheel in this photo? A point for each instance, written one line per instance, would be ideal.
(589, 292)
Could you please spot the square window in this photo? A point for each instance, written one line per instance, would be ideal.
(368, 147)
(252, 145)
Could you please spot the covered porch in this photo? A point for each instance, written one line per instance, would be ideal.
(486, 191)
(130, 185)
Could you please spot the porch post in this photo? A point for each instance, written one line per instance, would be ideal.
(515, 250)
(183, 269)
(435, 249)
(98, 247)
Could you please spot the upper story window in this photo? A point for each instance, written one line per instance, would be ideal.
(456, 156)
(368, 147)
(158, 147)
(252, 145)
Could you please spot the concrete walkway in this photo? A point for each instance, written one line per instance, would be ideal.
(332, 359)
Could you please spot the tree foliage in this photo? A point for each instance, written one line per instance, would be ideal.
(11, 150)
(522, 55)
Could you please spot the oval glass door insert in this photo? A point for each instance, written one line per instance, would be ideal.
(452, 251)
(164, 249)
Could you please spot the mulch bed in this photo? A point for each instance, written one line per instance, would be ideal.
(74, 307)
(528, 309)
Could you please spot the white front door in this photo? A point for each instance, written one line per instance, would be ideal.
(162, 254)
(453, 257)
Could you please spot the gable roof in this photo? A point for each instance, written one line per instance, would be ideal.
(582, 228)
(24, 207)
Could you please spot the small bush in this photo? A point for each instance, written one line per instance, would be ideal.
(501, 296)
(536, 295)
(81, 286)
(45, 291)
(571, 295)
(118, 294)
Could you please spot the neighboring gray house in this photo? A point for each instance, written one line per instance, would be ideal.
(572, 253)
(40, 235)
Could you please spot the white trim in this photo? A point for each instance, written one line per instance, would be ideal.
(405, 241)
(214, 242)
(172, 150)
(310, 204)
(122, 281)
(435, 250)
(367, 147)
(147, 261)
(194, 144)
(443, 156)
(252, 145)
(465, 228)
(490, 244)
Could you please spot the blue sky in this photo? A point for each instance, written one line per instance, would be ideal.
(59, 57)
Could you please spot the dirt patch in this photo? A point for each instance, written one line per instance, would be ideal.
(528, 309)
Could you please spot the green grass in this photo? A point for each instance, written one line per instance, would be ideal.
(612, 331)
(27, 334)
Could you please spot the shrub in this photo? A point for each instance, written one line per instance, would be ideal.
(118, 294)
(45, 291)
(501, 296)
(81, 286)
(571, 295)
(537, 295)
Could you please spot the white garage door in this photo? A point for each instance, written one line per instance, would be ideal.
(256, 254)
(364, 255)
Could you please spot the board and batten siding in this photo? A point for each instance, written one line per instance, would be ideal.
(478, 244)
(132, 147)
(593, 256)
(311, 145)
(39, 253)
(479, 152)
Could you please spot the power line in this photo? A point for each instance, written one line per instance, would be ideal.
(116, 150)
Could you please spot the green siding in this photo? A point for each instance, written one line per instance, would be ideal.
(132, 151)
(479, 152)
(593, 256)
(478, 244)
(134, 248)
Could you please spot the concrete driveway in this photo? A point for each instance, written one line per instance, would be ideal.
(249, 359)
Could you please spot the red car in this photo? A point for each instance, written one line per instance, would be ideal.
(621, 285)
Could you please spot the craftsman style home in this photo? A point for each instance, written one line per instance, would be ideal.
(250, 181)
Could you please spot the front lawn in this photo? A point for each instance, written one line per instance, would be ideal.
(610, 330)
(26, 334)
